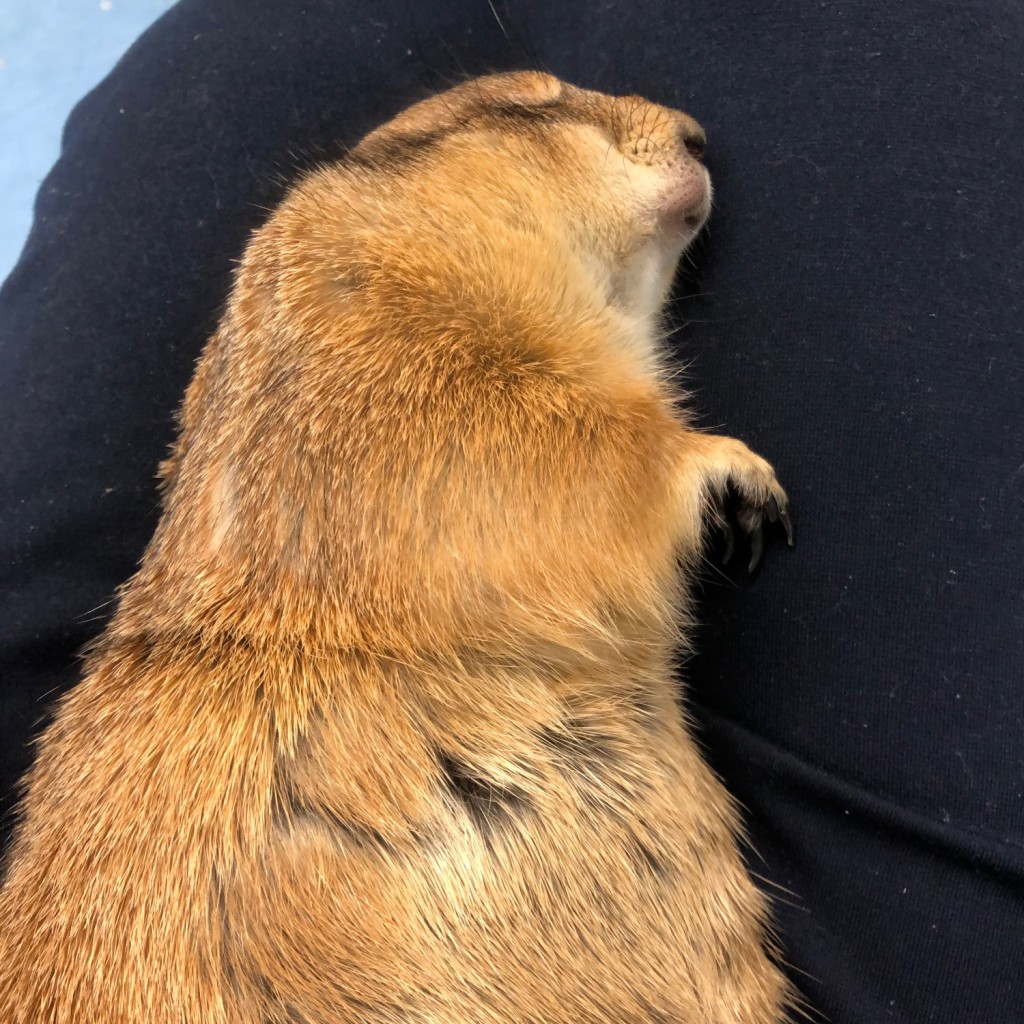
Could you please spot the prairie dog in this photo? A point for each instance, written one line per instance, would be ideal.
(383, 730)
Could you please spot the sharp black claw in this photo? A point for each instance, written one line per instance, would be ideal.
(788, 524)
(756, 548)
(730, 541)
(772, 509)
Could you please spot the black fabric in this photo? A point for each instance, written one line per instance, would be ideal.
(855, 316)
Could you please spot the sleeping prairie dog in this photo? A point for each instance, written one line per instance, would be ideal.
(384, 727)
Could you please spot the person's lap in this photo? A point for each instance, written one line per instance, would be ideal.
(854, 315)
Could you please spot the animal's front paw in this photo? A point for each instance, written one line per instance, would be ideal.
(744, 489)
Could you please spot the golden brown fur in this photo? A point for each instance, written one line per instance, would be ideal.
(383, 729)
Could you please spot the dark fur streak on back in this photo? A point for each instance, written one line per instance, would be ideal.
(291, 809)
(389, 152)
(351, 832)
(579, 748)
(648, 860)
(490, 805)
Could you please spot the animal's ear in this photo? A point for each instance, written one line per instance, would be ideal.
(432, 117)
(522, 88)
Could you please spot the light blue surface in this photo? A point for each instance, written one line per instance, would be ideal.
(52, 52)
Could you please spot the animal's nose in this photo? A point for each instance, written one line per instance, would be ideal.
(692, 138)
